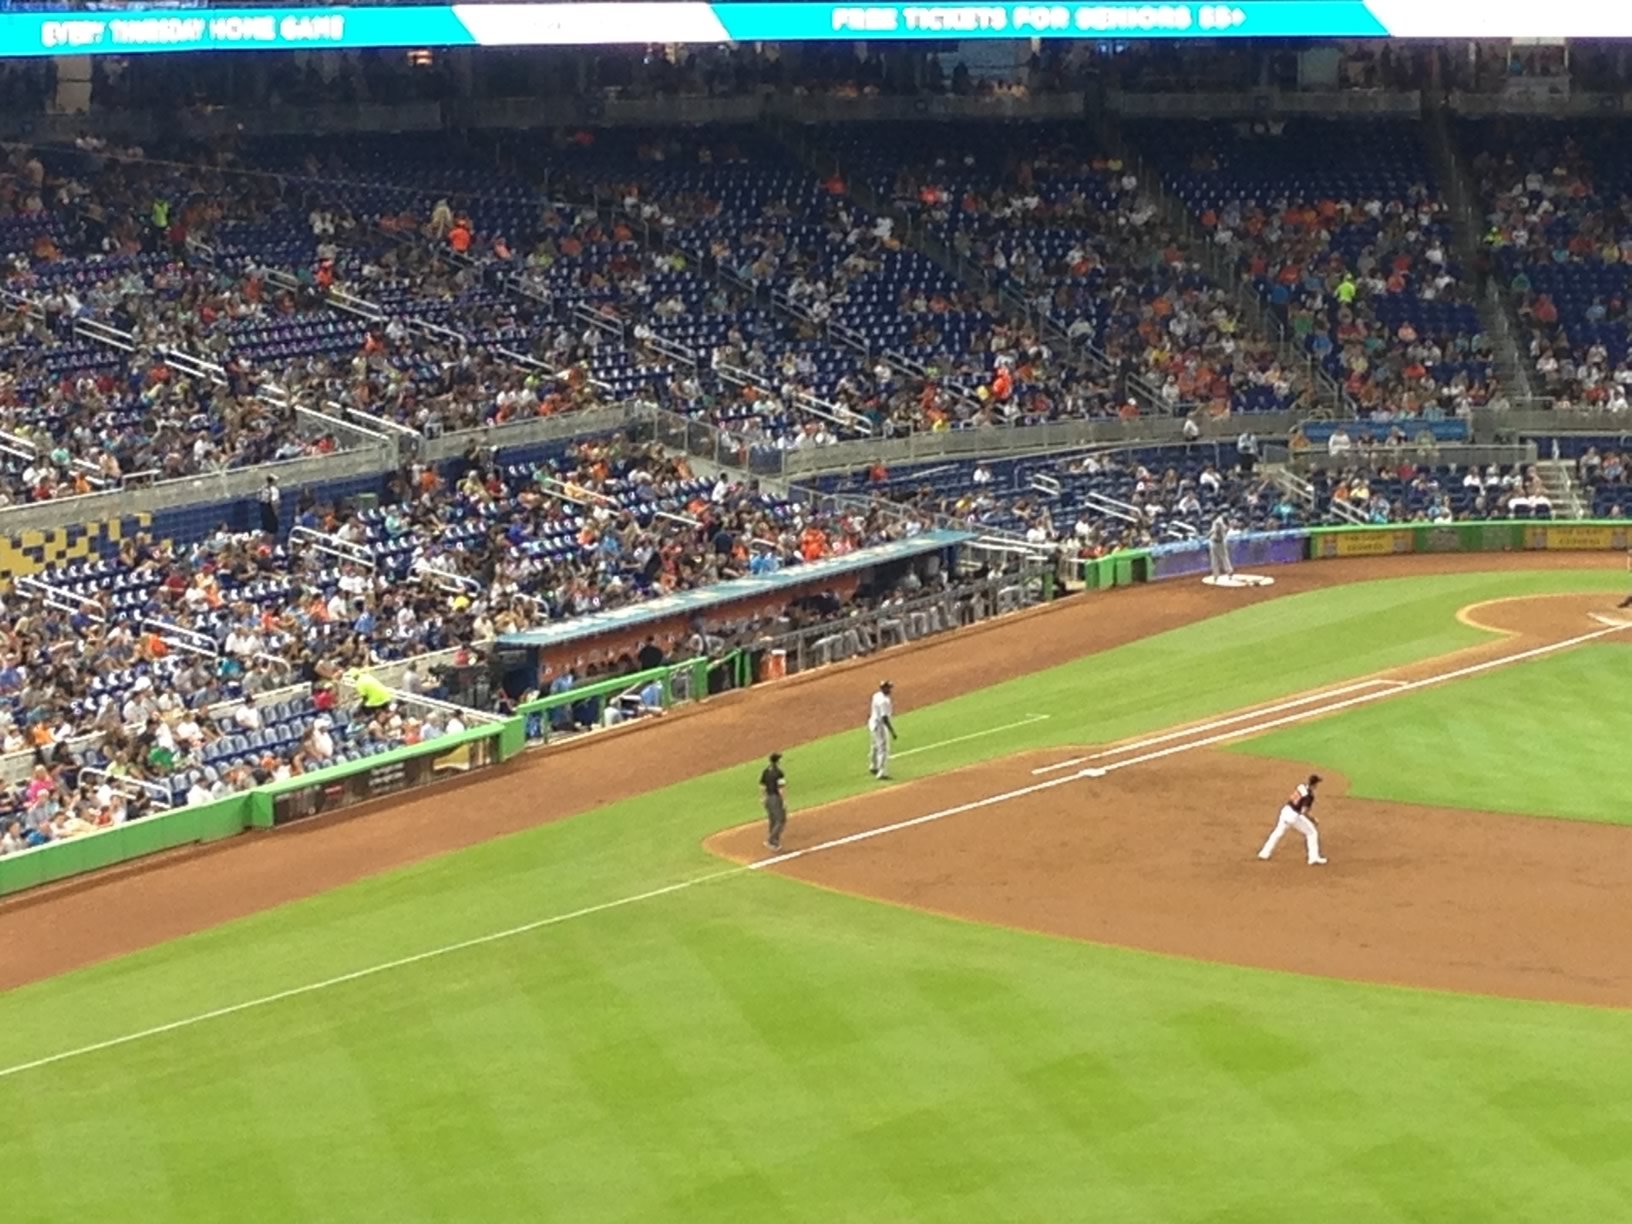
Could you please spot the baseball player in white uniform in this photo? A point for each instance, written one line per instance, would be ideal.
(882, 730)
(1295, 815)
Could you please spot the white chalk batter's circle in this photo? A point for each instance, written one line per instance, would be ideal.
(1239, 580)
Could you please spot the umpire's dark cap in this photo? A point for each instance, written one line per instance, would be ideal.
(775, 757)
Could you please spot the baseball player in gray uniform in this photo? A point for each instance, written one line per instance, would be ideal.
(881, 729)
(1218, 548)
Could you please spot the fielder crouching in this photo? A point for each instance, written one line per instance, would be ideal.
(1295, 814)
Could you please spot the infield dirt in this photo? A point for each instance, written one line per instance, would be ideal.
(1161, 856)
(53, 929)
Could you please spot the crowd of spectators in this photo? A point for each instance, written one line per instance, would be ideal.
(137, 647)
(1088, 503)
(81, 413)
(944, 353)
(1352, 254)
(1073, 233)
(1408, 491)
(1605, 471)
(1093, 502)
(79, 417)
(234, 268)
(724, 281)
(164, 749)
(1559, 222)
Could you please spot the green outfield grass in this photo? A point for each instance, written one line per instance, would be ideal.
(1547, 738)
(751, 1049)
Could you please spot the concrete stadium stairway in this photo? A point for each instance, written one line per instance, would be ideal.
(1218, 266)
(1467, 233)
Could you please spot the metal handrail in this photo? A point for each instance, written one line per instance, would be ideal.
(448, 580)
(186, 639)
(160, 794)
(324, 541)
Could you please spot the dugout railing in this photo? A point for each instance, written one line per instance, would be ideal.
(897, 623)
(625, 699)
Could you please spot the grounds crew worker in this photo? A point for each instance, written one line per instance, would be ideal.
(370, 692)
(771, 782)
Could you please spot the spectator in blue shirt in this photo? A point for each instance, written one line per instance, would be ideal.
(561, 715)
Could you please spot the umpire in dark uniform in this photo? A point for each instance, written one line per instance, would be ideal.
(770, 782)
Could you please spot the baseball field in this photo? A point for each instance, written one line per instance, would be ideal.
(1038, 976)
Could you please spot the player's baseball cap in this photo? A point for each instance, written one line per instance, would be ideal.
(1313, 778)
(886, 685)
(775, 757)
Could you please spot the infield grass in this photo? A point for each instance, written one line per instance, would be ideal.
(1546, 738)
(752, 1049)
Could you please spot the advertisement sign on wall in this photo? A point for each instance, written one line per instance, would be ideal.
(1246, 552)
(132, 30)
(1443, 540)
(1555, 537)
(1362, 543)
(387, 778)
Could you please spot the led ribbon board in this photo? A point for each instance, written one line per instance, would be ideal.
(129, 31)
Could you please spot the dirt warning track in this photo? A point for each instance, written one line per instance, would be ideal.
(1155, 849)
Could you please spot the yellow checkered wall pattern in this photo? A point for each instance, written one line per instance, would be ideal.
(30, 552)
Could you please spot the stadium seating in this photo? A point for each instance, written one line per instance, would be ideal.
(1351, 251)
(1552, 192)
(1091, 501)
(1068, 228)
(550, 533)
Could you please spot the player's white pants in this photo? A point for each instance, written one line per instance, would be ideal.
(878, 760)
(1218, 559)
(1291, 818)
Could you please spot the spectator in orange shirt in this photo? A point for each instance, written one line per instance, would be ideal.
(1002, 384)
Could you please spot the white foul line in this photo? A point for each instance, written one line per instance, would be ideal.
(741, 869)
(526, 927)
(958, 739)
(851, 839)
(358, 974)
(1184, 732)
(1407, 687)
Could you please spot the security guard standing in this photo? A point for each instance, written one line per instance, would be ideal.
(771, 783)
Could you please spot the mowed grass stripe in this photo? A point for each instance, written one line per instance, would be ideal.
(1229, 1065)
